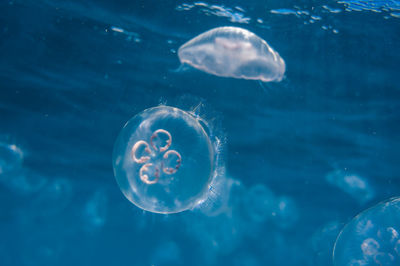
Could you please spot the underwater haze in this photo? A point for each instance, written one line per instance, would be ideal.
(291, 163)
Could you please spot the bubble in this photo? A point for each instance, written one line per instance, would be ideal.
(233, 52)
(218, 10)
(165, 159)
(372, 237)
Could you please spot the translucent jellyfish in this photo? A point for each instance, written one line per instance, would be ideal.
(53, 198)
(43, 245)
(95, 211)
(11, 158)
(354, 185)
(12, 173)
(259, 203)
(164, 160)
(26, 182)
(286, 213)
(322, 243)
(372, 237)
(233, 52)
(217, 235)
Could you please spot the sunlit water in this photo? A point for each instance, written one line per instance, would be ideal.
(303, 156)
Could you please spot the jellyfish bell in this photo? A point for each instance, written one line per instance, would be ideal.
(233, 52)
(372, 237)
(164, 159)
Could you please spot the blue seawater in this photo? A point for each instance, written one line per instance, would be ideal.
(301, 157)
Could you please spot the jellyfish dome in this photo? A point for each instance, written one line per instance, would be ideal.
(164, 160)
(233, 52)
(372, 237)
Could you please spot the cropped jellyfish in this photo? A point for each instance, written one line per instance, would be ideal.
(372, 237)
(233, 52)
(164, 160)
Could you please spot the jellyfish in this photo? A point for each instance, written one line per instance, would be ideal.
(164, 160)
(14, 175)
(354, 185)
(322, 242)
(11, 158)
(372, 237)
(233, 52)
(259, 203)
(286, 213)
(95, 211)
(52, 198)
(216, 235)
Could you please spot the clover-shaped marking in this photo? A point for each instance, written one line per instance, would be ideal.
(151, 169)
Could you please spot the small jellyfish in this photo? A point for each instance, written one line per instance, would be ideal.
(164, 160)
(26, 182)
(95, 211)
(286, 213)
(233, 52)
(372, 237)
(53, 198)
(354, 185)
(322, 243)
(11, 158)
(259, 203)
(215, 236)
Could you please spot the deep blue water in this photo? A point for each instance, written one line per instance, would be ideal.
(72, 73)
